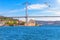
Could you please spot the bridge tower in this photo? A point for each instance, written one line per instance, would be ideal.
(26, 11)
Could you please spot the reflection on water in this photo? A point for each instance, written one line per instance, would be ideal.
(30, 33)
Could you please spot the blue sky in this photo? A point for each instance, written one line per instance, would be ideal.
(37, 7)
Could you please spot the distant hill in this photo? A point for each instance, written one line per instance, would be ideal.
(6, 18)
(48, 22)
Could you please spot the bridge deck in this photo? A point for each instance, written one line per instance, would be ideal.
(35, 16)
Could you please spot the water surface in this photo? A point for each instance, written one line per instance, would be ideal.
(45, 32)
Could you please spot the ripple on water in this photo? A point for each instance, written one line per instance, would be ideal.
(30, 33)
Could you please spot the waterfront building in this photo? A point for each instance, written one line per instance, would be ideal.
(30, 23)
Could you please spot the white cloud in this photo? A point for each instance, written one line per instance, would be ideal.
(15, 11)
(37, 6)
(48, 19)
(55, 12)
(12, 11)
(58, 1)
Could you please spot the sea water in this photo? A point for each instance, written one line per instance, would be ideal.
(45, 32)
